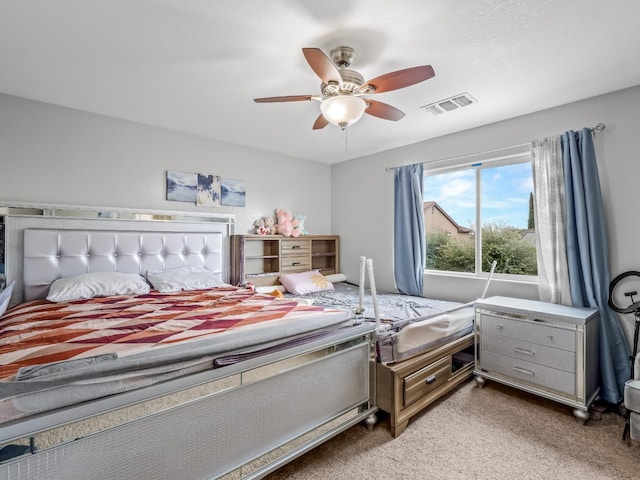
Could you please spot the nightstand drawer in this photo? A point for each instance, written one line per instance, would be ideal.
(529, 372)
(530, 352)
(295, 264)
(420, 383)
(534, 332)
(295, 247)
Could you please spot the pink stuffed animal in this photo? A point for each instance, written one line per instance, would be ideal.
(261, 226)
(286, 223)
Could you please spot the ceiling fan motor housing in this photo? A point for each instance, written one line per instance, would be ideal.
(343, 57)
(351, 82)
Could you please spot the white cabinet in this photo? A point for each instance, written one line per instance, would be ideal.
(546, 349)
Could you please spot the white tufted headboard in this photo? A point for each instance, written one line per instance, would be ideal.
(42, 249)
(53, 254)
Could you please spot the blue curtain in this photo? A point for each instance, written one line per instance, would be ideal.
(409, 235)
(587, 250)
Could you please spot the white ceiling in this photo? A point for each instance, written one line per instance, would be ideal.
(196, 65)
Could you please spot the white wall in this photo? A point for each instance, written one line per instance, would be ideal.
(55, 155)
(362, 191)
(50, 154)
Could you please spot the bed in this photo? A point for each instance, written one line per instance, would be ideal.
(424, 346)
(407, 325)
(238, 392)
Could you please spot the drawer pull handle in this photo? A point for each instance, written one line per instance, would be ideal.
(524, 370)
(430, 379)
(295, 264)
(523, 351)
(499, 327)
(295, 247)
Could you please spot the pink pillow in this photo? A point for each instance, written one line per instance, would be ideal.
(305, 282)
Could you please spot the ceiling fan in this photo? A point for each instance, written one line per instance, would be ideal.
(342, 90)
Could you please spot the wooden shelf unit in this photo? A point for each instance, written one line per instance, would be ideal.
(261, 259)
(325, 254)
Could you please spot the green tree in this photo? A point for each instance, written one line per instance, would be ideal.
(514, 252)
(508, 246)
(445, 252)
(531, 224)
(436, 240)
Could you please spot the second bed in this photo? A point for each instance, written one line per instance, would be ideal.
(425, 347)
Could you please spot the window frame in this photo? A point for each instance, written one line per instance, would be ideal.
(516, 155)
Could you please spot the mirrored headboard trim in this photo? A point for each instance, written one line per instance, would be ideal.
(18, 217)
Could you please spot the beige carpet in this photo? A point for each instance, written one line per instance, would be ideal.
(491, 433)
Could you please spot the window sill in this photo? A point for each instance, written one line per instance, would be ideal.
(513, 279)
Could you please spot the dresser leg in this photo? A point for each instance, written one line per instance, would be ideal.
(398, 428)
(371, 421)
(627, 427)
(480, 381)
(581, 415)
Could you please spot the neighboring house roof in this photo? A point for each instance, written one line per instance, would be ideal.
(460, 228)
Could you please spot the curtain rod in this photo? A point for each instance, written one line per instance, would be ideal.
(598, 128)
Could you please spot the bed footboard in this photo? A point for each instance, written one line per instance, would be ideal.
(270, 413)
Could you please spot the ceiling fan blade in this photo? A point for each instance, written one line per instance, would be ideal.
(383, 110)
(320, 122)
(290, 98)
(322, 65)
(400, 79)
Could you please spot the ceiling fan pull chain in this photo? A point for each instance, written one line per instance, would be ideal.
(346, 137)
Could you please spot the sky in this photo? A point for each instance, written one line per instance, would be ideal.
(505, 194)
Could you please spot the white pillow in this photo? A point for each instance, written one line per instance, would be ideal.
(336, 277)
(97, 284)
(305, 282)
(184, 278)
(5, 297)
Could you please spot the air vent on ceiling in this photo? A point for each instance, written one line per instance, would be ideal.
(449, 104)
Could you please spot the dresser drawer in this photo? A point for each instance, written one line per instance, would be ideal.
(530, 352)
(295, 264)
(533, 332)
(420, 383)
(295, 247)
(529, 372)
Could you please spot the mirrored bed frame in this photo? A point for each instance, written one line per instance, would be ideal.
(243, 420)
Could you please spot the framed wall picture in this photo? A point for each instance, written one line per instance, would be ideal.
(182, 186)
(205, 190)
(233, 193)
(209, 190)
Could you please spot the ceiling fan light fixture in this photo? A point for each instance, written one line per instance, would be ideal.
(340, 98)
(343, 110)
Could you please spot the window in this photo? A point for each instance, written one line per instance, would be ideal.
(498, 196)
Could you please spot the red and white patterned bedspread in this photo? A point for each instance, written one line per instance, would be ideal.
(41, 332)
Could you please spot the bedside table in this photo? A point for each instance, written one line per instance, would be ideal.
(546, 349)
